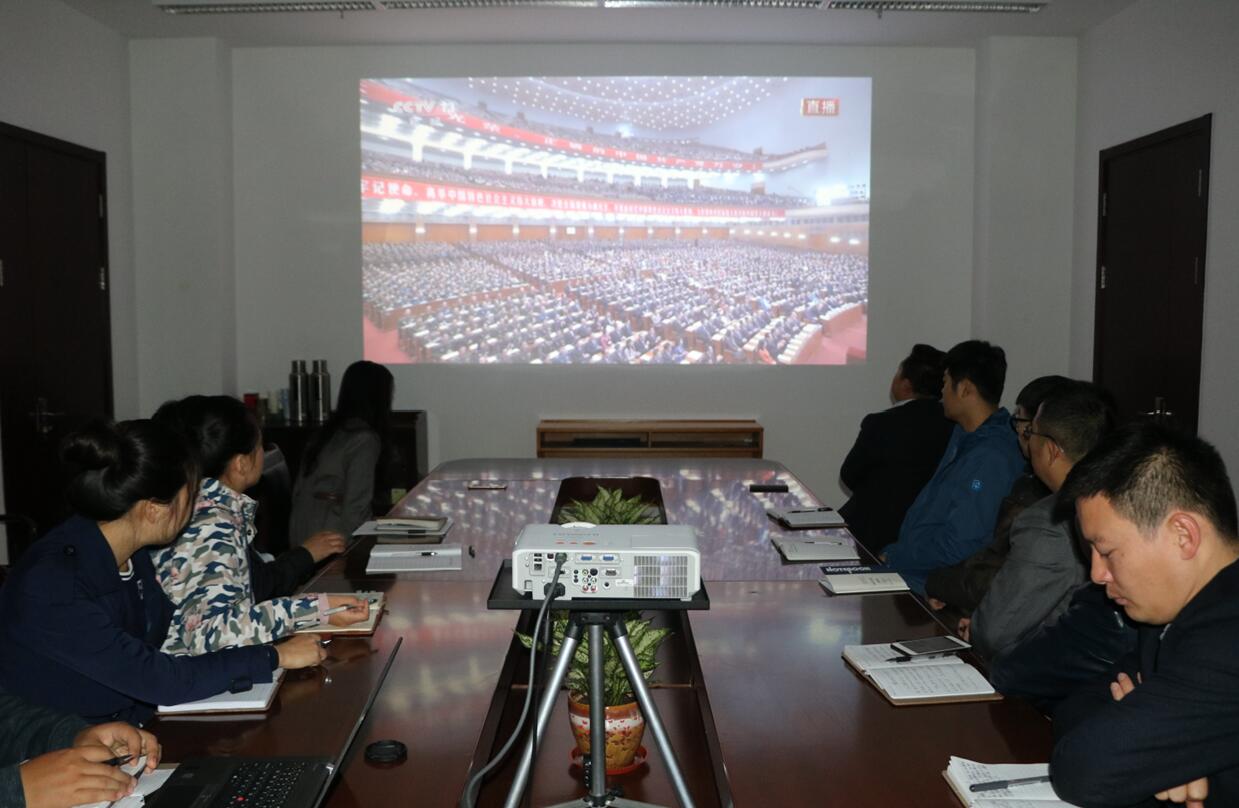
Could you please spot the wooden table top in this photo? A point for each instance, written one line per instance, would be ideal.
(796, 727)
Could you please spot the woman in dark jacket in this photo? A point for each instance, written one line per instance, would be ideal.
(82, 615)
(340, 484)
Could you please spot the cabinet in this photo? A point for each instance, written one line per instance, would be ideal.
(649, 438)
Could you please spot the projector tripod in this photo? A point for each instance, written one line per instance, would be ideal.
(599, 796)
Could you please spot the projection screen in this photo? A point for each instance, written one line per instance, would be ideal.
(615, 220)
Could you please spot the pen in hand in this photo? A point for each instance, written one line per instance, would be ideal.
(994, 785)
(119, 760)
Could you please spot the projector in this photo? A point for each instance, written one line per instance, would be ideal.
(637, 562)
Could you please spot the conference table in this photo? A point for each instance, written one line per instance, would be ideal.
(759, 706)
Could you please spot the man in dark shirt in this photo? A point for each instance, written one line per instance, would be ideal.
(1158, 512)
(896, 451)
(57, 760)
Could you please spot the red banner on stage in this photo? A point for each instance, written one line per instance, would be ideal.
(376, 187)
(450, 112)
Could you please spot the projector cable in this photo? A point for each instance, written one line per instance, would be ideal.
(553, 590)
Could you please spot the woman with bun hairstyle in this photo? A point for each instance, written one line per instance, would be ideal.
(221, 587)
(340, 484)
(82, 615)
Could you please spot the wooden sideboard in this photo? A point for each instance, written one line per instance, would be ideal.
(649, 438)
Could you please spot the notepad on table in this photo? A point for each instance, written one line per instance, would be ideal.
(861, 581)
(148, 784)
(407, 530)
(257, 699)
(935, 680)
(806, 518)
(413, 558)
(817, 549)
(961, 774)
(363, 629)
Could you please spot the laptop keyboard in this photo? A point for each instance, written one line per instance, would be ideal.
(262, 784)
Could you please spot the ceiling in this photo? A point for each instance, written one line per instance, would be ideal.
(140, 19)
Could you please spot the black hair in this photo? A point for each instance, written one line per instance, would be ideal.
(1146, 469)
(216, 429)
(1038, 390)
(923, 368)
(982, 364)
(366, 392)
(1076, 416)
(114, 466)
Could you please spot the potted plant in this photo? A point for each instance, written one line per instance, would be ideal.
(625, 725)
(610, 507)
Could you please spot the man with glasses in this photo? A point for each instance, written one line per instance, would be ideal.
(955, 512)
(1044, 568)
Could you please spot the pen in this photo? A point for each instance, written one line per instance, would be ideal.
(906, 658)
(994, 785)
(119, 760)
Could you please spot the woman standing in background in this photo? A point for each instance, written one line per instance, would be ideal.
(341, 482)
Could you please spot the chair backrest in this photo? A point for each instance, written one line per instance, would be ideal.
(19, 532)
(274, 494)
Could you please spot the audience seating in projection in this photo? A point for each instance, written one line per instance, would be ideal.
(544, 302)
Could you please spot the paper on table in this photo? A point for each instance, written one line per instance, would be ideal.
(147, 784)
(870, 657)
(855, 583)
(909, 681)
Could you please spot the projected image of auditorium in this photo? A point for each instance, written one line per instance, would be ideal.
(633, 220)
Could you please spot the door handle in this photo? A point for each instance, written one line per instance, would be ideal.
(1159, 408)
(43, 417)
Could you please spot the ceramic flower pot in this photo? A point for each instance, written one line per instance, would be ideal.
(624, 726)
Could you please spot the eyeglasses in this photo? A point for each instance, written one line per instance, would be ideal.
(1018, 425)
(1028, 433)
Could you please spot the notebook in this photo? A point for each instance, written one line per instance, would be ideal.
(257, 699)
(961, 774)
(939, 680)
(407, 530)
(413, 558)
(378, 602)
(817, 549)
(805, 518)
(861, 581)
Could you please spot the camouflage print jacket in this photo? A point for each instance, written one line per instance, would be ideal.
(206, 573)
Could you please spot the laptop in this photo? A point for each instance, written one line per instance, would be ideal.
(806, 518)
(265, 782)
(817, 549)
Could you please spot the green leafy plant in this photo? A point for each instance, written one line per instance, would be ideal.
(609, 507)
(645, 642)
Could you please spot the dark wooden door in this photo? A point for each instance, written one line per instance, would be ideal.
(1151, 272)
(55, 333)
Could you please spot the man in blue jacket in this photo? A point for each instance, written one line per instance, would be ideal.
(955, 512)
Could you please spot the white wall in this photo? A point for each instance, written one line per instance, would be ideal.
(1154, 65)
(298, 243)
(183, 204)
(65, 75)
(1026, 117)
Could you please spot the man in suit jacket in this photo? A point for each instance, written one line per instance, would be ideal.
(897, 451)
(1158, 512)
(1035, 583)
